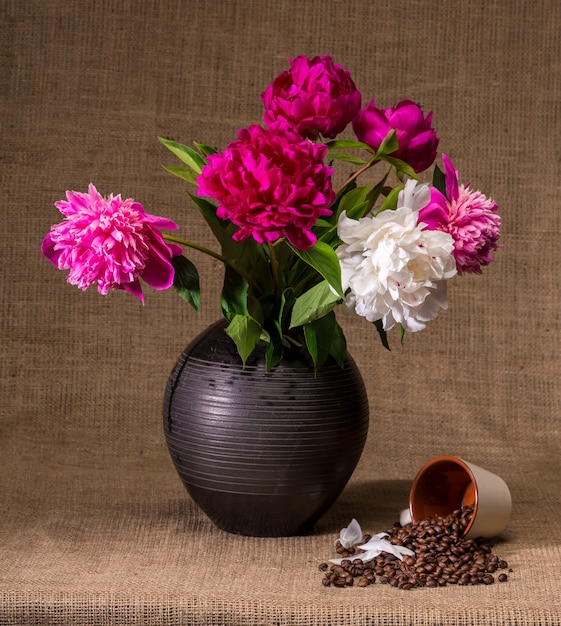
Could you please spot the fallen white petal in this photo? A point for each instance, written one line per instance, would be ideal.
(383, 545)
(351, 535)
(374, 541)
(365, 557)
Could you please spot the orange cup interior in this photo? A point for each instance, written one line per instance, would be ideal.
(442, 486)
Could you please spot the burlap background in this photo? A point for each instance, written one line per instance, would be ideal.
(95, 526)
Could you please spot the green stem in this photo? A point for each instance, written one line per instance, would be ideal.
(195, 246)
(360, 171)
(274, 268)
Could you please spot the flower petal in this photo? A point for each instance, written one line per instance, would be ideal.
(351, 535)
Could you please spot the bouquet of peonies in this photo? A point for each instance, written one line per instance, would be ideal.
(294, 247)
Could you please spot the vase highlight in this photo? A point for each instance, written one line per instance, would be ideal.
(263, 453)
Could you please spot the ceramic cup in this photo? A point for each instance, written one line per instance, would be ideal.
(446, 483)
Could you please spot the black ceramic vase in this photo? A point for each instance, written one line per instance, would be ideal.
(262, 453)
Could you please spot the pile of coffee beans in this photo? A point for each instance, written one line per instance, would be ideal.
(442, 557)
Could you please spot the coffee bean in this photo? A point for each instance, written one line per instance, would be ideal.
(442, 557)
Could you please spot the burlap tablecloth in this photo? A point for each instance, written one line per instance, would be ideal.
(95, 527)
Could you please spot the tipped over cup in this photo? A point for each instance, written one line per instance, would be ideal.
(447, 483)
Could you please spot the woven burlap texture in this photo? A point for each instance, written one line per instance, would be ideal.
(95, 527)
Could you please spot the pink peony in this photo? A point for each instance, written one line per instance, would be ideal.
(110, 241)
(416, 138)
(469, 216)
(270, 183)
(316, 96)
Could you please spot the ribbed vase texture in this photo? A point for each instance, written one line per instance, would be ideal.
(262, 453)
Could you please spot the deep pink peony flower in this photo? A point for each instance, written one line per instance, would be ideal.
(271, 183)
(416, 137)
(112, 242)
(314, 95)
(469, 216)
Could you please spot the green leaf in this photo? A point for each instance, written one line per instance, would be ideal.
(186, 281)
(383, 334)
(321, 223)
(322, 258)
(189, 156)
(254, 309)
(338, 345)
(391, 200)
(401, 166)
(358, 194)
(217, 225)
(389, 144)
(354, 203)
(233, 298)
(439, 180)
(348, 145)
(318, 335)
(245, 333)
(324, 338)
(375, 192)
(313, 304)
(275, 350)
(182, 172)
(348, 158)
(204, 149)
(249, 249)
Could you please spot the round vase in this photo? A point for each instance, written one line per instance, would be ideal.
(262, 453)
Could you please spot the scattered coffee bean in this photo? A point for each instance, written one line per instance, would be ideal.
(442, 557)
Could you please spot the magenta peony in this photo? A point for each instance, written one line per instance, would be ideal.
(271, 183)
(416, 138)
(111, 242)
(469, 216)
(316, 96)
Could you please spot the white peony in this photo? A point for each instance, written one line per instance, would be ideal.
(414, 195)
(395, 270)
